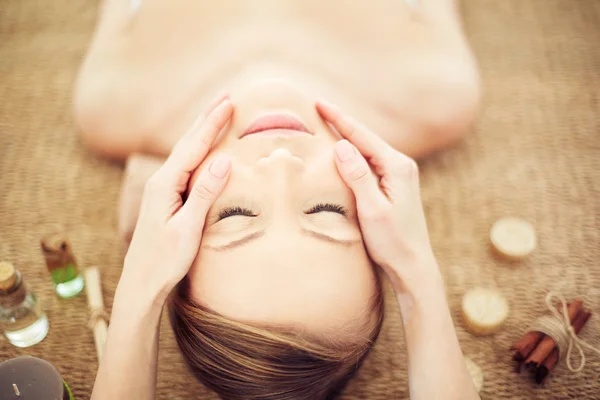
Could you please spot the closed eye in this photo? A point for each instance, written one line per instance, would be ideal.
(327, 207)
(232, 211)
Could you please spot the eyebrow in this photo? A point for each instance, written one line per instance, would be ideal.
(255, 235)
(237, 243)
(328, 238)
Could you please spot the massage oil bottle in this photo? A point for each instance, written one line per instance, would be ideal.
(62, 266)
(21, 317)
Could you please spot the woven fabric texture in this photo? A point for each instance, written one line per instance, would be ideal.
(535, 154)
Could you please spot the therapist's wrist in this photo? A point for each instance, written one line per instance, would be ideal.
(416, 279)
(141, 293)
(415, 274)
(423, 294)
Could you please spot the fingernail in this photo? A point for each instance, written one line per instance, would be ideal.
(225, 103)
(344, 150)
(326, 103)
(220, 166)
(222, 95)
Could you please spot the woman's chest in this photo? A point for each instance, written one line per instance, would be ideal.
(181, 48)
(381, 61)
(267, 26)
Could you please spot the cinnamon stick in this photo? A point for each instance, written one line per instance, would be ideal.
(525, 346)
(547, 344)
(550, 362)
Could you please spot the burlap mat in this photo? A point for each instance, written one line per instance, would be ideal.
(536, 154)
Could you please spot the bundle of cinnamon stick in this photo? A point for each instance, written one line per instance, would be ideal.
(538, 353)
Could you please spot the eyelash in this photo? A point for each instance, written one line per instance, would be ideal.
(328, 207)
(321, 207)
(231, 211)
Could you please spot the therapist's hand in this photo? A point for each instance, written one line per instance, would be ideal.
(168, 232)
(385, 184)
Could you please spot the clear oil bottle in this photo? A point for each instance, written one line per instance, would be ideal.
(21, 318)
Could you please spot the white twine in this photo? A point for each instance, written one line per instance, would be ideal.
(97, 314)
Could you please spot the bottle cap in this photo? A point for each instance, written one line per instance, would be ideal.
(8, 275)
(56, 242)
(57, 251)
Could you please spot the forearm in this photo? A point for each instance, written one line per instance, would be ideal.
(436, 365)
(163, 248)
(128, 367)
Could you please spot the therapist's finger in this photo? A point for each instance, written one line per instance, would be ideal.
(375, 149)
(214, 103)
(191, 150)
(356, 173)
(206, 189)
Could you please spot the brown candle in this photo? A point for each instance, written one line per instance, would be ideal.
(31, 378)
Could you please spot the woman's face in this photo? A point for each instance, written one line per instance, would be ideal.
(282, 245)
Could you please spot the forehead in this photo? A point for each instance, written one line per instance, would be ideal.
(304, 282)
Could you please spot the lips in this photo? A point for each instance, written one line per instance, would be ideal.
(276, 124)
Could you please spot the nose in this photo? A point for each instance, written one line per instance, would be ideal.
(281, 172)
(280, 166)
(283, 154)
(281, 158)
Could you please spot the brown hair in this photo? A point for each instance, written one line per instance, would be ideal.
(238, 360)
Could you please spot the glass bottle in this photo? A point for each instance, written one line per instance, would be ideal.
(61, 264)
(21, 317)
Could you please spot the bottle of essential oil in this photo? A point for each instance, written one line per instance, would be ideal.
(21, 317)
(62, 266)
